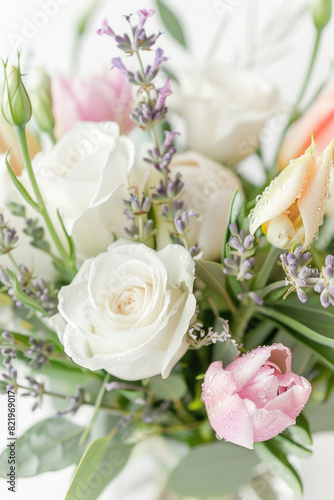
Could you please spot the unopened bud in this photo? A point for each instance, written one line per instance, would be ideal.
(15, 105)
(41, 99)
(321, 12)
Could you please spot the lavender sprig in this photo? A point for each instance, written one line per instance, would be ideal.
(298, 274)
(325, 285)
(242, 248)
(151, 110)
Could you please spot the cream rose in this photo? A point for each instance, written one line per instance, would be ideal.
(85, 176)
(224, 108)
(127, 311)
(208, 190)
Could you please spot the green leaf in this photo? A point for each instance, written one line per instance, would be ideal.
(171, 22)
(21, 296)
(236, 214)
(290, 322)
(211, 273)
(290, 447)
(324, 355)
(16, 209)
(225, 352)
(301, 430)
(102, 461)
(214, 469)
(49, 445)
(173, 387)
(311, 314)
(277, 462)
(22, 190)
(258, 335)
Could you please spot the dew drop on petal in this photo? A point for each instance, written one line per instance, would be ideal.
(260, 395)
(218, 436)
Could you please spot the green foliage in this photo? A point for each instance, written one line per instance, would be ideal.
(214, 469)
(171, 22)
(173, 387)
(102, 461)
(21, 296)
(49, 445)
(278, 463)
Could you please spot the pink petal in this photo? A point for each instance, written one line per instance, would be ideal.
(218, 383)
(267, 424)
(261, 388)
(293, 400)
(231, 421)
(247, 365)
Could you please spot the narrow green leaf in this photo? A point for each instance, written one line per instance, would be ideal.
(102, 461)
(301, 430)
(171, 22)
(304, 330)
(21, 296)
(211, 273)
(22, 190)
(279, 464)
(236, 214)
(173, 387)
(290, 447)
(69, 239)
(49, 445)
(213, 470)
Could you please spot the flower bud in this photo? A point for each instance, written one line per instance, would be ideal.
(321, 12)
(41, 99)
(292, 207)
(15, 105)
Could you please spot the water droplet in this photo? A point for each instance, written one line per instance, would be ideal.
(255, 219)
(283, 187)
(218, 436)
(328, 196)
(258, 198)
(260, 395)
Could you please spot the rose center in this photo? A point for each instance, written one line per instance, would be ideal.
(126, 302)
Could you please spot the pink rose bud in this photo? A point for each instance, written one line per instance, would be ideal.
(255, 397)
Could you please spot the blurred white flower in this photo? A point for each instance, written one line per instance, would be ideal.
(224, 108)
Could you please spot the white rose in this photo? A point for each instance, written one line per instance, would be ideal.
(224, 108)
(85, 176)
(127, 310)
(208, 190)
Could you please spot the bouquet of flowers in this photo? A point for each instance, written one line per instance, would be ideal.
(149, 287)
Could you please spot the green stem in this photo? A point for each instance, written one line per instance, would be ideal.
(52, 137)
(270, 288)
(294, 113)
(98, 403)
(241, 320)
(22, 139)
(267, 267)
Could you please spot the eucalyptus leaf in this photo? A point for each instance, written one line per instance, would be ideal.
(173, 387)
(102, 461)
(171, 22)
(278, 463)
(214, 469)
(49, 445)
(225, 352)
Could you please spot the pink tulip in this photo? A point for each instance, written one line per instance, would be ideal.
(96, 99)
(255, 397)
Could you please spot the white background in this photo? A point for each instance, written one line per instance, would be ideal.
(235, 31)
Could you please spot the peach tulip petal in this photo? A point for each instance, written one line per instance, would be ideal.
(282, 192)
(312, 203)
